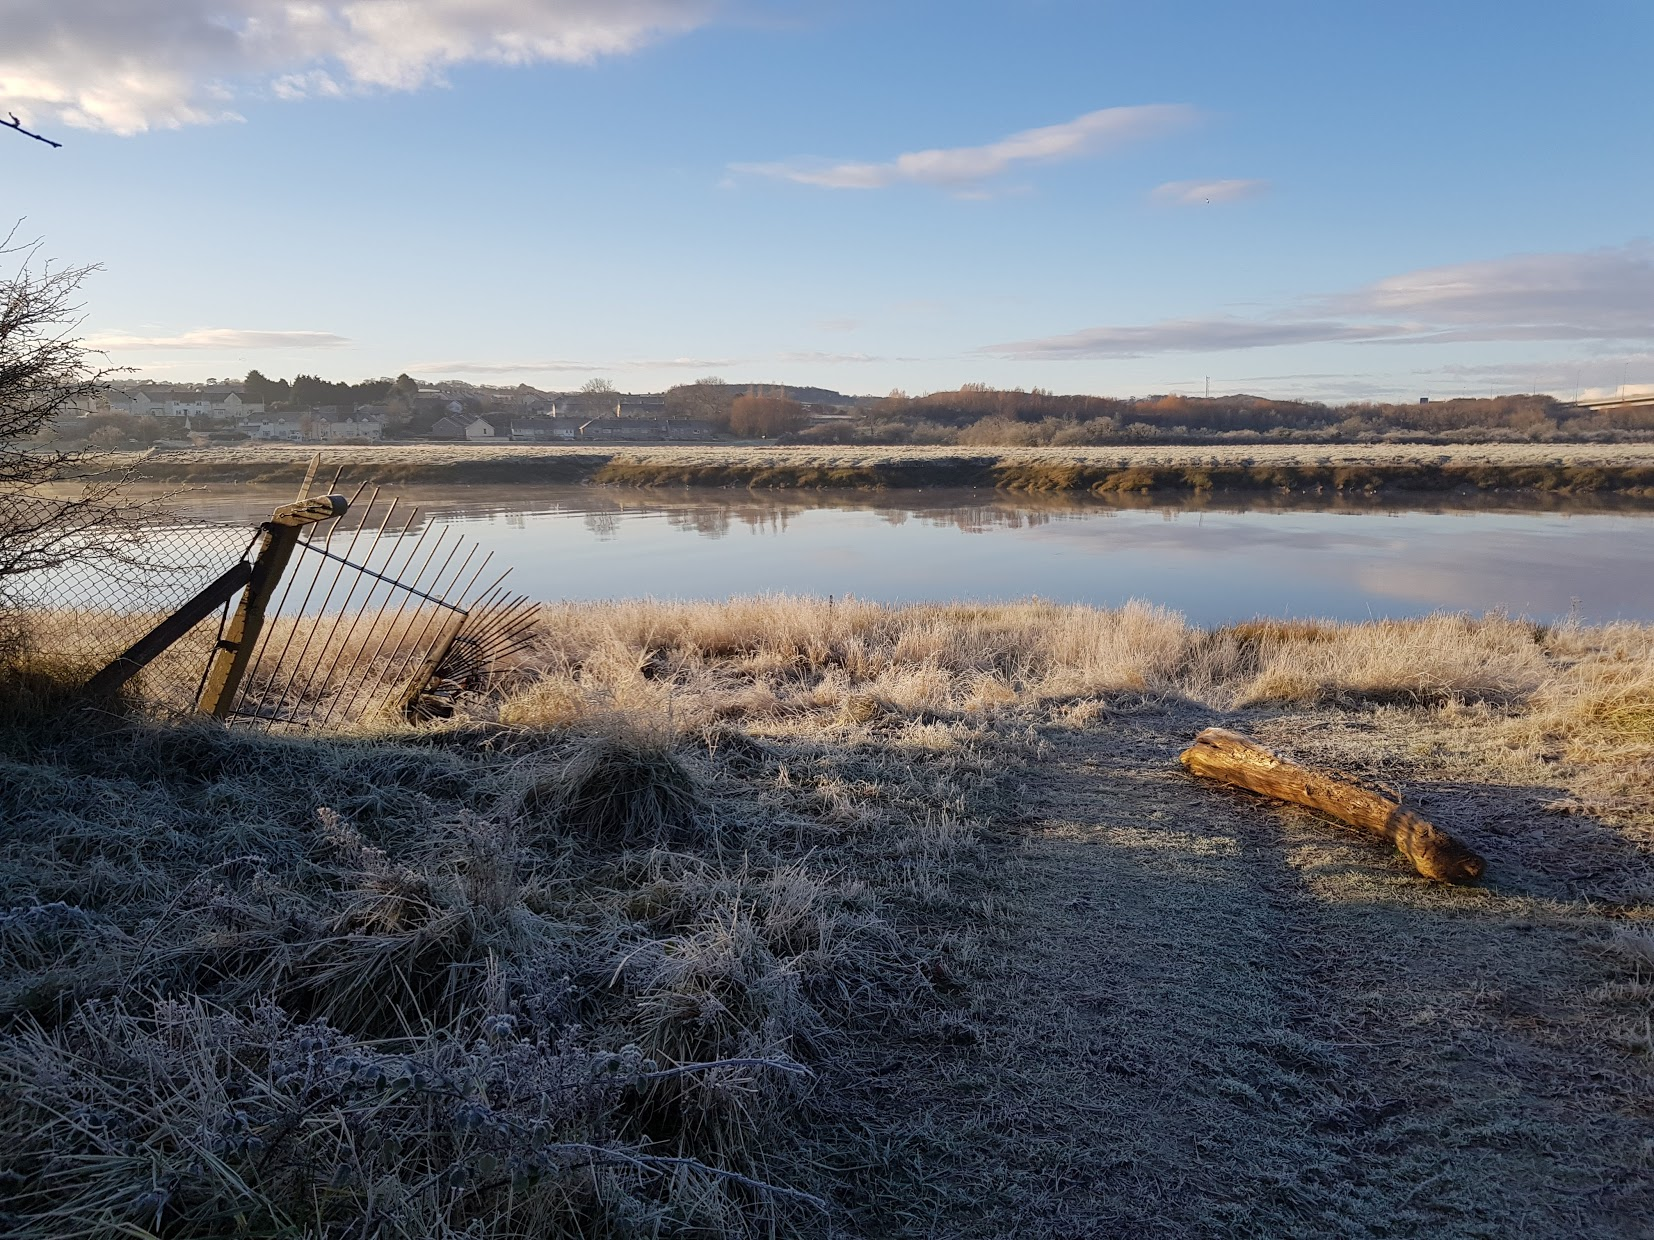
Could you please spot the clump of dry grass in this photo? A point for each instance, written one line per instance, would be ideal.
(780, 661)
(187, 1119)
(1596, 711)
(878, 466)
(625, 787)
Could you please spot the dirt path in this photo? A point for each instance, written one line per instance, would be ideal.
(1208, 1017)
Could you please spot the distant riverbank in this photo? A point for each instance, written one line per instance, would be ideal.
(1626, 470)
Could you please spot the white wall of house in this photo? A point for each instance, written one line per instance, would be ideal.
(174, 404)
(353, 429)
(288, 430)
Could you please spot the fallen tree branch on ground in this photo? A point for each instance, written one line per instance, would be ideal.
(1235, 759)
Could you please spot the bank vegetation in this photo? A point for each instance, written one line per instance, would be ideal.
(1512, 469)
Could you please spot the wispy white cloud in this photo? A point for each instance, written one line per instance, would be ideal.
(229, 338)
(1599, 295)
(1210, 335)
(962, 168)
(565, 366)
(1597, 377)
(701, 365)
(130, 65)
(1605, 294)
(1628, 391)
(1207, 193)
(828, 359)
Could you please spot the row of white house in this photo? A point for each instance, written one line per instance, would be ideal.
(222, 403)
(315, 428)
(361, 427)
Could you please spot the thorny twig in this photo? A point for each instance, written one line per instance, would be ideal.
(16, 124)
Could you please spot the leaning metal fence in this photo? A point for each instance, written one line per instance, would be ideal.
(380, 610)
(349, 606)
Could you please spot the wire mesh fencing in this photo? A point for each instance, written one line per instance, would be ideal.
(87, 592)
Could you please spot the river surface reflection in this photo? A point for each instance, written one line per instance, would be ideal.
(1215, 561)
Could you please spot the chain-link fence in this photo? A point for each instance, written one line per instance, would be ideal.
(92, 592)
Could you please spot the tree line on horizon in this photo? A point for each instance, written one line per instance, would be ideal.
(311, 391)
(977, 415)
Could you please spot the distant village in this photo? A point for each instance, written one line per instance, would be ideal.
(226, 412)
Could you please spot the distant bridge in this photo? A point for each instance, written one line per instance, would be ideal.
(1644, 401)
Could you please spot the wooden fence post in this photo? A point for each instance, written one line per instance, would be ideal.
(138, 656)
(275, 549)
(422, 677)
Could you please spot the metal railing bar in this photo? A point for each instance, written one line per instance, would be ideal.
(378, 618)
(399, 667)
(430, 598)
(401, 607)
(260, 707)
(496, 628)
(505, 619)
(488, 655)
(332, 585)
(506, 640)
(489, 590)
(356, 617)
(309, 537)
(476, 633)
(424, 629)
(322, 652)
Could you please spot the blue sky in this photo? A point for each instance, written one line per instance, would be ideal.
(1336, 200)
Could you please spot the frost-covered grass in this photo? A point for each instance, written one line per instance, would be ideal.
(639, 946)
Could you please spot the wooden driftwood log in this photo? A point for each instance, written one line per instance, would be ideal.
(1235, 759)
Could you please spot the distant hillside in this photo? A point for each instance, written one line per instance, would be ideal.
(825, 396)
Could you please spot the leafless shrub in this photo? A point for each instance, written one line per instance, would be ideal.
(46, 372)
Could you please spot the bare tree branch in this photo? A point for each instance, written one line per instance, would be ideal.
(53, 509)
(16, 124)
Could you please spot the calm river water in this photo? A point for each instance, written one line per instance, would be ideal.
(1216, 563)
